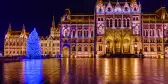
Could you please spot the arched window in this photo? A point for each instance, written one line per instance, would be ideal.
(73, 33)
(73, 48)
(91, 48)
(124, 23)
(108, 23)
(109, 9)
(86, 49)
(126, 8)
(100, 47)
(111, 22)
(116, 23)
(119, 22)
(128, 23)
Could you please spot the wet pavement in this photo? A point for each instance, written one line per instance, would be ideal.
(86, 71)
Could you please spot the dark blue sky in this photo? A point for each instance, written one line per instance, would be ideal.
(38, 13)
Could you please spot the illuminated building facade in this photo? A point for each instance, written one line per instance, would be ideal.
(114, 28)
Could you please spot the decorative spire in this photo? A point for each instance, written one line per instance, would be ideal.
(23, 27)
(10, 27)
(133, 2)
(53, 22)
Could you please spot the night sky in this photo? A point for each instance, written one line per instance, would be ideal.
(38, 13)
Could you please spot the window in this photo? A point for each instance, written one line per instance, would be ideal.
(158, 49)
(128, 23)
(111, 23)
(126, 9)
(86, 33)
(108, 23)
(119, 23)
(73, 48)
(73, 33)
(152, 49)
(116, 23)
(79, 49)
(79, 33)
(124, 22)
(92, 34)
(91, 48)
(145, 49)
(86, 49)
(99, 19)
(100, 48)
(109, 9)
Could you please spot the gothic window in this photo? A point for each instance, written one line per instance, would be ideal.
(158, 49)
(91, 33)
(126, 8)
(158, 32)
(79, 49)
(146, 32)
(109, 9)
(73, 33)
(99, 19)
(91, 48)
(108, 23)
(86, 49)
(135, 9)
(111, 23)
(73, 48)
(100, 47)
(124, 23)
(143, 32)
(145, 49)
(100, 9)
(116, 23)
(66, 32)
(79, 33)
(119, 22)
(128, 23)
(152, 49)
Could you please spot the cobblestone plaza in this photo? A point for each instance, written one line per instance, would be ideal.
(86, 71)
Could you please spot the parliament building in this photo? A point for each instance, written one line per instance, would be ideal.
(114, 28)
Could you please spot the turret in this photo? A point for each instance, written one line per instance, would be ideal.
(53, 22)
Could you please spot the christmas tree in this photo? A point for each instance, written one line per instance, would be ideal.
(33, 49)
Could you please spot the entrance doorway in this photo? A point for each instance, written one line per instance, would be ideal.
(65, 52)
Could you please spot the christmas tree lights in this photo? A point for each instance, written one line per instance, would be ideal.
(33, 48)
